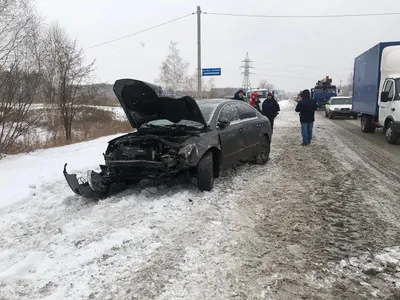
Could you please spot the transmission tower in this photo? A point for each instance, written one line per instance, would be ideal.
(246, 84)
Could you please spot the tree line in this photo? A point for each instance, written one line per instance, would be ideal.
(37, 62)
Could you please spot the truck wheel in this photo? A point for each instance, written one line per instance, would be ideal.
(367, 124)
(205, 172)
(391, 135)
(264, 150)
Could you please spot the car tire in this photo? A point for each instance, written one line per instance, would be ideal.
(264, 151)
(331, 115)
(326, 113)
(355, 117)
(205, 172)
(391, 136)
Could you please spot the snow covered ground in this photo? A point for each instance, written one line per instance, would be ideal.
(307, 225)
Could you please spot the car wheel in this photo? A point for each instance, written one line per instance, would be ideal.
(331, 115)
(355, 117)
(326, 113)
(205, 172)
(391, 136)
(264, 150)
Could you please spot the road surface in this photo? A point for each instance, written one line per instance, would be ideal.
(316, 222)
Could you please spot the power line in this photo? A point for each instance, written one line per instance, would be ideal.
(141, 31)
(304, 16)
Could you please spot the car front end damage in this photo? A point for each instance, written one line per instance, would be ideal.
(132, 158)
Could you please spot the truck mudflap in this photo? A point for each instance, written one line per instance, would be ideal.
(95, 187)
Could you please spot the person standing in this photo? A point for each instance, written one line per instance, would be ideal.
(306, 108)
(270, 109)
(239, 95)
(255, 101)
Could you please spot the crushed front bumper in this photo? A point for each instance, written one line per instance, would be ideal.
(82, 187)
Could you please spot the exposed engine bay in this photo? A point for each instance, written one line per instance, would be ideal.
(143, 147)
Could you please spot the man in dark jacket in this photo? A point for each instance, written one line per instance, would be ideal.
(270, 109)
(306, 107)
(239, 95)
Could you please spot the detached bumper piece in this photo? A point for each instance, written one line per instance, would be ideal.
(95, 187)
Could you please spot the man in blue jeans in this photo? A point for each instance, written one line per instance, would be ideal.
(306, 107)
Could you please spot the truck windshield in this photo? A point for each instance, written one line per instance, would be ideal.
(340, 101)
(325, 90)
(397, 96)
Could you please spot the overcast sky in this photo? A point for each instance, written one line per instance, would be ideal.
(290, 53)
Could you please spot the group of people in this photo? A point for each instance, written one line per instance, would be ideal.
(269, 108)
(306, 108)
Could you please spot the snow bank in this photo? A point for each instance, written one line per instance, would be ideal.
(21, 175)
(287, 116)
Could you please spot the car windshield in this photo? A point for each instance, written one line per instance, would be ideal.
(207, 110)
(167, 123)
(340, 101)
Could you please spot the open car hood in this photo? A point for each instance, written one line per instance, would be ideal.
(144, 102)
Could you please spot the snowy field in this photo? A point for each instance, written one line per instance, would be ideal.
(317, 222)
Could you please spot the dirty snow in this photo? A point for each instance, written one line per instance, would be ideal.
(316, 222)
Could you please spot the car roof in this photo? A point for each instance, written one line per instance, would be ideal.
(213, 102)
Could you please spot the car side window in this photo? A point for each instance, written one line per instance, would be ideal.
(230, 112)
(245, 111)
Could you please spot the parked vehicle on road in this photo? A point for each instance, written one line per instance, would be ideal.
(339, 107)
(376, 89)
(175, 136)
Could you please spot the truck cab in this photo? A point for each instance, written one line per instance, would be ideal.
(389, 96)
(389, 109)
(323, 91)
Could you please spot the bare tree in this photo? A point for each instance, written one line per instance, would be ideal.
(20, 70)
(173, 75)
(350, 79)
(190, 87)
(66, 75)
(265, 85)
(347, 89)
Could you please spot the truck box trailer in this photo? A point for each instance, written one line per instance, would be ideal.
(376, 89)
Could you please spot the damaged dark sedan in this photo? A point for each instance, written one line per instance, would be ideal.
(175, 136)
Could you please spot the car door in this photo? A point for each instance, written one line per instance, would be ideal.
(251, 128)
(385, 107)
(232, 137)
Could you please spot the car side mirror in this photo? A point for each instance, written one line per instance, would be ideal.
(384, 96)
(223, 122)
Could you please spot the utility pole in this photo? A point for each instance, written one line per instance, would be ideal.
(246, 73)
(199, 53)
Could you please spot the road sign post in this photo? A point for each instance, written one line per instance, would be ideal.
(211, 72)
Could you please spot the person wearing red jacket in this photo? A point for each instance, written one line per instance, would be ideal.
(255, 101)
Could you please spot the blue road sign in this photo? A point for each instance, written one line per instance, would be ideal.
(211, 72)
